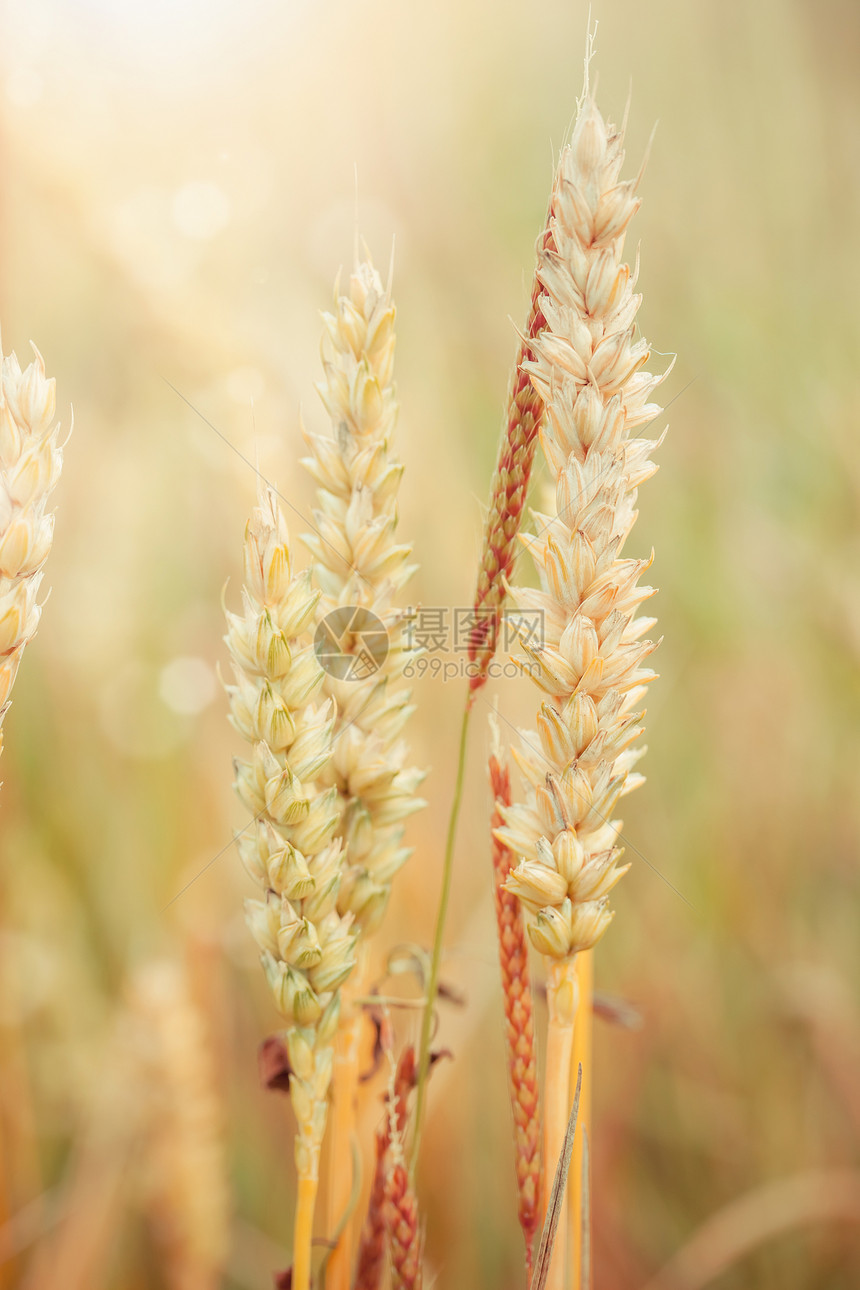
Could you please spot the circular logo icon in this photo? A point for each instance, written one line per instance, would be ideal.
(351, 643)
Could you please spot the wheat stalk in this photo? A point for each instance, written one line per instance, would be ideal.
(591, 664)
(30, 464)
(360, 568)
(308, 947)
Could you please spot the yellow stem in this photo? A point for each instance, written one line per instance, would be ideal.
(581, 1056)
(561, 998)
(303, 1231)
(342, 1118)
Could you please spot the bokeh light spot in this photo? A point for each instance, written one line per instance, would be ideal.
(187, 685)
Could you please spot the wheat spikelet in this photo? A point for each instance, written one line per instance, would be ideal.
(358, 562)
(184, 1138)
(508, 497)
(30, 465)
(519, 1023)
(307, 946)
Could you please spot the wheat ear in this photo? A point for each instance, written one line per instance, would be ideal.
(400, 1205)
(371, 1254)
(508, 497)
(30, 464)
(370, 1264)
(591, 664)
(401, 1222)
(519, 1023)
(184, 1131)
(360, 568)
(359, 563)
(308, 948)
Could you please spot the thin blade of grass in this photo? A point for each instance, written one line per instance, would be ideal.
(556, 1196)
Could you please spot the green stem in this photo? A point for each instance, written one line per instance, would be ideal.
(433, 983)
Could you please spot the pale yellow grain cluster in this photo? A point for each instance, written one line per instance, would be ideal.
(591, 666)
(184, 1155)
(358, 562)
(30, 465)
(290, 850)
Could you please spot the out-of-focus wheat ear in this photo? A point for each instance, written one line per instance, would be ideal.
(519, 1013)
(96, 1189)
(374, 1240)
(404, 1235)
(371, 1251)
(508, 496)
(188, 1195)
(400, 1206)
(30, 463)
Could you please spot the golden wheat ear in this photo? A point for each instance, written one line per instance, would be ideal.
(360, 568)
(591, 665)
(31, 459)
(307, 946)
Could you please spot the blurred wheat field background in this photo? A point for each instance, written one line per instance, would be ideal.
(179, 186)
